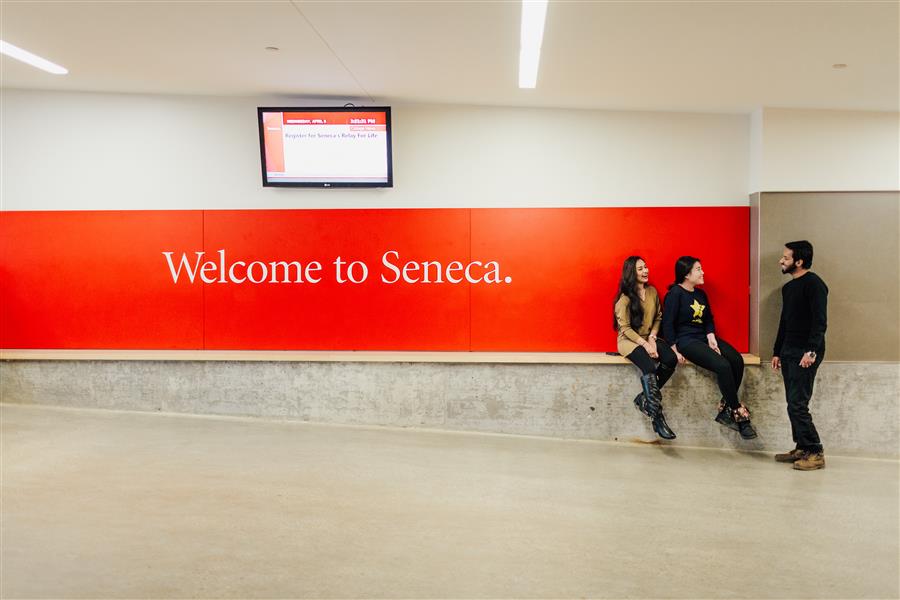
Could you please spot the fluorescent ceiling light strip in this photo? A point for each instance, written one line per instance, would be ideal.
(529, 59)
(32, 59)
(534, 12)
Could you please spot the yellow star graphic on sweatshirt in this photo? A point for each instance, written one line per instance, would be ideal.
(698, 312)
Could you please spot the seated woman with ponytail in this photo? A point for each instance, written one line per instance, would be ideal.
(688, 325)
(637, 318)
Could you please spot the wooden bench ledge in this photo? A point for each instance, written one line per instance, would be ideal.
(594, 358)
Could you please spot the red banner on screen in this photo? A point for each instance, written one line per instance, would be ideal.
(334, 118)
(420, 279)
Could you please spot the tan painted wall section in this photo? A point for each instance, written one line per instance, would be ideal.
(856, 237)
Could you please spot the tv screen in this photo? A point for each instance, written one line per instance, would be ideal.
(326, 147)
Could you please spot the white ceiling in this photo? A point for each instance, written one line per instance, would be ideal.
(697, 56)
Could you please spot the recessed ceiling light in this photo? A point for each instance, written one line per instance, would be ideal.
(534, 13)
(273, 48)
(32, 59)
(839, 66)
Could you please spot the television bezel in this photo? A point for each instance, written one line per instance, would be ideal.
(325, 184)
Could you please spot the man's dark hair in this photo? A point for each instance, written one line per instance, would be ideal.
(801, 250)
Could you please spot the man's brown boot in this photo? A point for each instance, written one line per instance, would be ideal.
(810, 462)
(789, 457)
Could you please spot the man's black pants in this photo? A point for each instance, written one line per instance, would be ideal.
(798, 388)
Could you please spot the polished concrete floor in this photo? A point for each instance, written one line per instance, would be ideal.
(102, 504)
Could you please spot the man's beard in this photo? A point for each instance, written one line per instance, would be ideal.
(789, 270)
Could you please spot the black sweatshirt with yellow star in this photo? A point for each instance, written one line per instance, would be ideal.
(686, 316)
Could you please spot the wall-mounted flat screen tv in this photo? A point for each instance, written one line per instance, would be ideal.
(326, 147)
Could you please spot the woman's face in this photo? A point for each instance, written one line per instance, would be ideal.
(642, 271)
(695, 277)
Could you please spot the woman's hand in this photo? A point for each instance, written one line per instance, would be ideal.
(651, 348)
(711, 338)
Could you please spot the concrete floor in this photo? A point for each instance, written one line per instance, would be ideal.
(128, 505)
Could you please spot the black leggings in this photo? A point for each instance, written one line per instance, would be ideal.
(647, 365)
(728, 367)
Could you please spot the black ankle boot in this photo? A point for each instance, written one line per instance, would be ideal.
(725, 418)
(741, 417)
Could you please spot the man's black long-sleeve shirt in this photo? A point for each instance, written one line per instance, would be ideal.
(803, 314)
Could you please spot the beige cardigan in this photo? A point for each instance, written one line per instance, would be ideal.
(629, 339)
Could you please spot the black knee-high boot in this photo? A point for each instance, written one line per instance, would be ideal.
(663, 373)
(652, 401)
(641, 404)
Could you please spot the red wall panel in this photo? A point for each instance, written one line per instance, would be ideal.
(100, 280)
(565, 266)
(330, 316)
(96, 279)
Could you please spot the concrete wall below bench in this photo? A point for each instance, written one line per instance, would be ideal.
(855, 405)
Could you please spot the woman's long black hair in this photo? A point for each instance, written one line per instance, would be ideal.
(683, 267)
(628, 287)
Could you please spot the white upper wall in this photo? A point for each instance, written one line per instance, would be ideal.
(89, 151)
(825, 150)
(754, 167)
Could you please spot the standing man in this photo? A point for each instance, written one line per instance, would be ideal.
(800, 349)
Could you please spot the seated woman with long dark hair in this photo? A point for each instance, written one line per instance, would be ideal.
(689, 326)
(637, 318)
